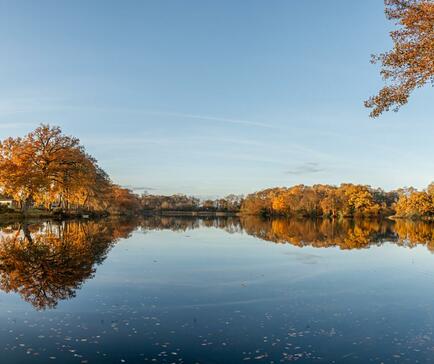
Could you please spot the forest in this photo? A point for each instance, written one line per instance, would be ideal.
(344, 201)
(52, 172)
(347, 200)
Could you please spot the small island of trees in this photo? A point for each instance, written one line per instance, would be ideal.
(347, 201)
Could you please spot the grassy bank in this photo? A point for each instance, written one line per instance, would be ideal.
(16, 215)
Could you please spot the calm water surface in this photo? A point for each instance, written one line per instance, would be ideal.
(169, 290)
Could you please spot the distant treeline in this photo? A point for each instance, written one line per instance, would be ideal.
(178, 202)
(347, 201)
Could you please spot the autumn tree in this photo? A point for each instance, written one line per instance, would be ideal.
(43, 166)
(19, 175)
(259, 203)
(416, 204)
(360, 200)
(410, 64)
(332, 203)
(50, 168)
(123, 201)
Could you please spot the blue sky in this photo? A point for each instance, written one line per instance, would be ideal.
(213, 97)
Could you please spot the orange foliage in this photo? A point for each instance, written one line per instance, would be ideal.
(50, 169)
(410, 64)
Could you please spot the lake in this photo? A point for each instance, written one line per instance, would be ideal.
(225, 290)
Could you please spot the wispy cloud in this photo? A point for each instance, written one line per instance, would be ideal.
(140, 188)
(129, 142)
(191, 116)
(212, 118)
(247, 157)
(29, 104)
(305, 168)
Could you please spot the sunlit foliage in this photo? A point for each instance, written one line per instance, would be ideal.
(410, 64)
(347, 200)
(49, 169)
(416, 204)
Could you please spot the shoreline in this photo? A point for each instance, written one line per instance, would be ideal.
(18, 216)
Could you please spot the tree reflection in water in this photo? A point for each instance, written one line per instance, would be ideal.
(345, 234)
(48, 262)
(319, 233)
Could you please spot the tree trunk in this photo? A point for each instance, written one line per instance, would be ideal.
(25, 205)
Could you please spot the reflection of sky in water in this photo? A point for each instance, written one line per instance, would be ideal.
(211, 297)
